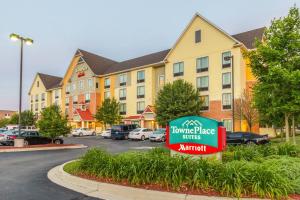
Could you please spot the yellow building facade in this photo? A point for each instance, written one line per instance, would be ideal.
(203, 55)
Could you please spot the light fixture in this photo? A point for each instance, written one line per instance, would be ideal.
(14, 37)
(28, 41)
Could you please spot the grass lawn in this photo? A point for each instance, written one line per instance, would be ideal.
(278, 140)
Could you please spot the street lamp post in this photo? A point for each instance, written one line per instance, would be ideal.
(232, 87)
(28, 41)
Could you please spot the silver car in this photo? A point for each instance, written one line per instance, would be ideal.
(158, 135)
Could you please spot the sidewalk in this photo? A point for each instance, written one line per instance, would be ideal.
(41, 147)
(116, 192)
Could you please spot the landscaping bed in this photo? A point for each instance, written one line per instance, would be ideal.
(269, 171)
(38, 146)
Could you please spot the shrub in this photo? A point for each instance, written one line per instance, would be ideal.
(272, 176)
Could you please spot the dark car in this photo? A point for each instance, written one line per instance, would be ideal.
(122, 131)
(246, 138)
(33, 138)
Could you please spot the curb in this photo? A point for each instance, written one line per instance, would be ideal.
(81, 146)
(116, 192)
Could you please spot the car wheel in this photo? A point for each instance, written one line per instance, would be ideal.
(163, 139)
(250, 143)
(143, 138)
(26, 143)
(126, 137)
(57, 142)
(80, 134)
(94, 134)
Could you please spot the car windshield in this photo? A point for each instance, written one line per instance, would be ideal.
(158, 132)
(118, 128)
(137, 130)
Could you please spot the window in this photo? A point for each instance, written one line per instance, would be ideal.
(97, 85)
(107, 94)
(68, 89)
(122, 94)
(225, 61)
(36, 107)
(32, 98)
(81, 83)
(122, 108)
(43, 97)
(31, 107)
(107, 83)
(202, 64)
(205, 102)
(87, 97)
(74, 86)
(197, 36)
(161, 80)
(226, 80)
(75, 99)
(43, 105)
(140, 107)
(226, 101)
(36, 97)
(56, 94)
(123, 79)
(140, 92)
(141, 76)
(90, 83)
(67, 112)
(227, 124)
(202, 83)
(178, 69)
(67, 101)
(56, 102)
(37, 84)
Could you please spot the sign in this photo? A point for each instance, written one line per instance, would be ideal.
(196, 135)
(80, 69)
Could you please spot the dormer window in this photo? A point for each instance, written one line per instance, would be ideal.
(198, 36)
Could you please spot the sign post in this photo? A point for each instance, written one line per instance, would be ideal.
(196, 135)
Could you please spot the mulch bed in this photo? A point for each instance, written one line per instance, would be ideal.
(158, 187)
(38, 146)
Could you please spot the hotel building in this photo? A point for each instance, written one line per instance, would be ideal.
(198, 56)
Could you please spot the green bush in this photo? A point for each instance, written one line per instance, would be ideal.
(272, 176)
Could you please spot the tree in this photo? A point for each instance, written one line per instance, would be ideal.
(4, 122)
(27, 118)
(177, 99)
(108, 113)
(244, 109)
(52, 124)
(276, 65)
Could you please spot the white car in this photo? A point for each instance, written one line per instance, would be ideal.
(83, 132)
(140, 134)
(106, 133)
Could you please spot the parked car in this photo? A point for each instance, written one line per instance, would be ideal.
(140, 134)
(2, 130)
(106, 133)
(7, 137)
(34, 138)
(122, 131)
(158, 135)
(83, 132)
(246, 138)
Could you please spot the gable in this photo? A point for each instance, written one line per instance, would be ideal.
(212, 39)
(34, 88)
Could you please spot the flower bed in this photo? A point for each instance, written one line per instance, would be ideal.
(272, 175)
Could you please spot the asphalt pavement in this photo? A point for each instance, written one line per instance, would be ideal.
(23, 175)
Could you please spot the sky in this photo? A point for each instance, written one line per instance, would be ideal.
(117, 29)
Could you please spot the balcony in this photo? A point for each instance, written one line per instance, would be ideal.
(122, 98)
(226, 107)
(139, 111)
(226, 86)
(140, 96)
(123, 84)
(178, 74)
(141, 81)
(203, 89)
(202, 70)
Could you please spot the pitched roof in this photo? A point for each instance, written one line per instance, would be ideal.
(137, 62)
(248, 37)
(98, 64)
(85, 115)
(50, 81)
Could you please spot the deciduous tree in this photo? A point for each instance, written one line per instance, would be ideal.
(108, 113)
